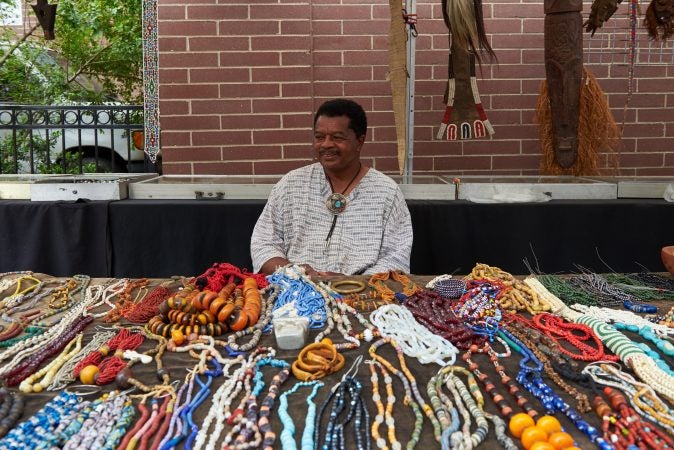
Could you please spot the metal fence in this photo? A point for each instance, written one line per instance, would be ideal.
(71, 139)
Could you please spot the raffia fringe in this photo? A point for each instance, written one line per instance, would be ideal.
(598, 134)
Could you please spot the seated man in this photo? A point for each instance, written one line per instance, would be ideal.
(336, 216)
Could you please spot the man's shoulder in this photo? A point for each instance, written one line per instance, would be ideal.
(300, 174)
(381, 180)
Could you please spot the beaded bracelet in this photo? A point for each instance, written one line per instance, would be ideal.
(357, 286)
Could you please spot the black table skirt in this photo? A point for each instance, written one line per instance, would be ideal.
(161, 238)
(58, 238)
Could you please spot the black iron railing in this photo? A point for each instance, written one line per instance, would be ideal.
(70, 139)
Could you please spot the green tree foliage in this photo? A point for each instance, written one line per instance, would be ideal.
(97, 56)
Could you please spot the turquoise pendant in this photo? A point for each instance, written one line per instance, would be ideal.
(336, 203)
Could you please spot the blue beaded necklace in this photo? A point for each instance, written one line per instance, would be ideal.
(530, 378)
(288, 433)
(347, 391)
(199, 399)
(307, 301)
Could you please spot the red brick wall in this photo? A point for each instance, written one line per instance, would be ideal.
(239, 81)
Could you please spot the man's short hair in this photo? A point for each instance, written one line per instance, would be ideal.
(344, 107)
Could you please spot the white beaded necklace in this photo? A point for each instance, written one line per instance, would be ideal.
(224, 395)
(34, 344)
(416, 341)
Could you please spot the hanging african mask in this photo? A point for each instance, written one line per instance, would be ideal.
(464, 116)
(602, 11)
(660, 19)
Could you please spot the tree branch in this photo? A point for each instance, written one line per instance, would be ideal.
(86, 63)
(17, 43)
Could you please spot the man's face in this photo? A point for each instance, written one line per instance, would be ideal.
(336, 146)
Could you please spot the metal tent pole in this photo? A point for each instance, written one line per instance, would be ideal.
(411, 10)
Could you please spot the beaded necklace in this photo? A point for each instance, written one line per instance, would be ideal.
(64, 376)
(518, 296)
(436, 313)
(47, 373)
(6, 280)
(172, 420)
(37, 343)
(288, 432)
(11, 409)
(634, 285)
(253, 428)
(199, 399)
(642, 397)
(256, 330)
(530, 378)
(499, 400)
(142, 311)
(145, 421)
(222, 398)
(21, 293)
(99, 368)
(377, 282)
(221, 274)
(447, 286)
(416, 341)
(583, 402)
(38, 431)
(461, 396)
(303, 296)
(178, 420)
(346, 392)
(384, 414)
(19, 371)
(101, 423)
(628, 427)
(125, 299)
(412, 380)
(573, 333)
(603, 289)
(474, 390)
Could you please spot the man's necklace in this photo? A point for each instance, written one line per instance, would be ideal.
(336, 203)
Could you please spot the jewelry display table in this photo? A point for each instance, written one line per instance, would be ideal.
(178, 365)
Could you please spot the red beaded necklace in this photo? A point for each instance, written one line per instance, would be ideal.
(436, 313)
(623, 427)
(106, 368)
(221, 274)
(575, 334)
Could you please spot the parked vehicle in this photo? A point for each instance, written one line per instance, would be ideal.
(72, 136)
